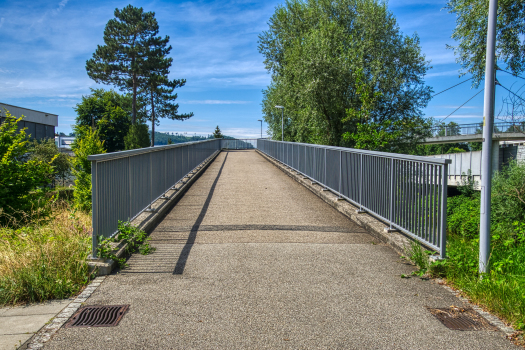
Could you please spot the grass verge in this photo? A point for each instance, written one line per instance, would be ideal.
(45, 259)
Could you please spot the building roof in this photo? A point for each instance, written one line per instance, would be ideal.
(30, 115)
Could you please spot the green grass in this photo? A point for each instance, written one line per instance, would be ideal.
(45, 260)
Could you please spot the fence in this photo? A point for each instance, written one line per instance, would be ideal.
(477, 128)
(239, 143)
(124, 184)
(408, 192)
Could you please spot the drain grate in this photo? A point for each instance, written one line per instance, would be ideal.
(98, 316)
(461, 319)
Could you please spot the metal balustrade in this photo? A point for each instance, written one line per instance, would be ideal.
(477, 128)
(124, 184)
(409, 193)
(232, 144)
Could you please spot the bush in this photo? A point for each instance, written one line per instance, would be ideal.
(45, 260)
(508, 193)
(463, 215)
(88, 145)
(22, 182)
(137, 137)
(47, 151)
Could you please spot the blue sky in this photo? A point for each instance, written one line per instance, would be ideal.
(45, 44)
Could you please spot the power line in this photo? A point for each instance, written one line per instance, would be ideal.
(451, 87)
(477, 93)
(521, 98)
(514, 75)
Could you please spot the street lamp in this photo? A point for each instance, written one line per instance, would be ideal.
(259, 120)
(282, 121)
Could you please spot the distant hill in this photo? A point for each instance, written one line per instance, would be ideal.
(161, 138)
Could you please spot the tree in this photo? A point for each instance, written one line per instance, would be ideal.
(327, 57)
(217, 133)
(83, 147)
(109, 112)
(121, 60)
(22, 182)
(158, 88)
(471, 33)
(137, 137)
(46, 151)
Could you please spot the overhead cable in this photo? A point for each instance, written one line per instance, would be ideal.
(477, 93)
(514, 75)
(521, 98)
(451, 87)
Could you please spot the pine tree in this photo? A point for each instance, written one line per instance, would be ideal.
(120, 61)
(217, 133)
(158, 88)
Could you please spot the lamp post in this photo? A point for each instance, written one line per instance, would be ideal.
(282, 121)
(259, 120)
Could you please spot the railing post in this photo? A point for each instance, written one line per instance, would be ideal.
(443, 233)
(94, 209)
(324, 180)
(361, 184)
(150, 209)
(391, 192)
(340, 173)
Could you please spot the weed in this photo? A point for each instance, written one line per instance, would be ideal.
(135, 238)
(419, 257)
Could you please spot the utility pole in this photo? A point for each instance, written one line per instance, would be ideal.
(486, 154)
(282, 121)
(259, 120)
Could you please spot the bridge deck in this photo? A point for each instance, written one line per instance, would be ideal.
(250, 259)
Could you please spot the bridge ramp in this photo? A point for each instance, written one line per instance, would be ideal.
(251, 259)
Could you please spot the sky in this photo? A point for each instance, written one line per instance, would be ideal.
(45, 45)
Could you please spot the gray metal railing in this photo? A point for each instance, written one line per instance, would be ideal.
(409, 193)
(477, 128)
(124, 184)
(239, 143)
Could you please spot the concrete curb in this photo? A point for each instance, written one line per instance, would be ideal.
(147, 221)
(373, 226)
(376, 228)
(46, 332)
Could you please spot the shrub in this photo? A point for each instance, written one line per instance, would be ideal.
(47, 151)
(463, 215)
(22, 182)
(137, 137)
(508, 193)
(88, 145)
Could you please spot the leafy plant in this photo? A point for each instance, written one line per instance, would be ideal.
(23, 183)
(419, 257)
(47, 151)
(467, 186)
(83, 147)
(132, 236)
(137, 137)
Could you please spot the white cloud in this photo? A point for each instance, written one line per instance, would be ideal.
(215, 102)
(445, 73)
(61, 5)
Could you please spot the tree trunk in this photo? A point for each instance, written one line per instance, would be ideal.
(134, 103)
(152, 121)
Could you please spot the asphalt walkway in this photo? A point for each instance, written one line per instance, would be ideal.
(251, 259)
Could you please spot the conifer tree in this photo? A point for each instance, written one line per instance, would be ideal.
(120, 61)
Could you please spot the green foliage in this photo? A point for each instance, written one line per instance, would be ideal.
(467, 186)
(463, 215)
(109, 112)
(122, 60)
(158, 88)
(47, 151)
(471, 33)
(508, 193)
(83, 147)
(336, 63)
(22, 182)
(135, 238)
(137, 137)
(419, 257)
(217, 133)
(162, 138)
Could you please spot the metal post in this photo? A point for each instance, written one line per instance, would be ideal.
(94, 210)
(149, 208)
(282, 124)
(391, 191)
(443, 233)
(486, 154)
(361, 185)
(340, 172)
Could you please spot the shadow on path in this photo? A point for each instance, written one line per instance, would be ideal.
(183, 257)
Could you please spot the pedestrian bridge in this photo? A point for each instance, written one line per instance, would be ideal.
(249, 258)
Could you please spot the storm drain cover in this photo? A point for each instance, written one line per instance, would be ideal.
(461, 319)
(98, 316)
